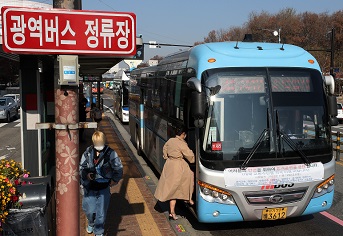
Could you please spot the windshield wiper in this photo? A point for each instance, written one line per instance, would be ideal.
(293, 145)
(254, 148)
(290, 142)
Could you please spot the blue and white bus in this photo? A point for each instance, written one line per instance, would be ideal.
(121, 83)
(259, 118)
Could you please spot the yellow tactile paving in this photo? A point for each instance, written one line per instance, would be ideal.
(146, 221)
(131, 211)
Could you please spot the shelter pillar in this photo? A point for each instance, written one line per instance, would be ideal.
(29, 89)
(67, 149)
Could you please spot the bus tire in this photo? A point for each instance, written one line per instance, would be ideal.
(138, 146)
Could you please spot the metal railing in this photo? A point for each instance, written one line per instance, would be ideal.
(336, 138)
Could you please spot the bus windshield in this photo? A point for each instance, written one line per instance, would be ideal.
(283, 101)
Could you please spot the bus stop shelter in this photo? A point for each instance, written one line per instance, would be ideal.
(49, 74)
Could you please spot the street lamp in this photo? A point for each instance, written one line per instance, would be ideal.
(154, 44)
(331, 51)
(275, 33)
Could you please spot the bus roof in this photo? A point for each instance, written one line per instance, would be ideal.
(244, 54)
(239, 54)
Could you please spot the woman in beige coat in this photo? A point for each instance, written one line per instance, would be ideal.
(177, 179)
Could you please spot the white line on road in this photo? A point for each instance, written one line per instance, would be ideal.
(18, 125)
(109, 109)
(3, 124)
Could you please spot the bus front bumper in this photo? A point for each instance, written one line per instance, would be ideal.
(211, 212)
(319, 204)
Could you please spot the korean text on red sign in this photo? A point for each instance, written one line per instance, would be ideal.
(54, 31)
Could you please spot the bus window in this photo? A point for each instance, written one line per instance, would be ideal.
(171, 97)
(163, 95)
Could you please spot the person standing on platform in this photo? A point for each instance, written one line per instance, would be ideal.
(177, 179)
(82, 114)
(100, 169)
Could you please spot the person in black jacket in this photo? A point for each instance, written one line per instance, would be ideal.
(82, 115)
(100, 169)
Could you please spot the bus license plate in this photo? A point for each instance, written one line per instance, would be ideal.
(274, 213)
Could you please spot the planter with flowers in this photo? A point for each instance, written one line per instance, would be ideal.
(23, 201)
(12, 175)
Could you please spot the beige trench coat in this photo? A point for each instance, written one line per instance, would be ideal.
(177, 179)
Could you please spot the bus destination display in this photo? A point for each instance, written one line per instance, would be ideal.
(237, 85)
(291, 84)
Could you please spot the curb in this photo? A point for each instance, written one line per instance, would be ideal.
(148, 175)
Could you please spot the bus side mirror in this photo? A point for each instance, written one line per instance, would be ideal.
(215, 90)
(332, 110)
(198, 104)
(330, 83)
(332, 106)
(194, 84)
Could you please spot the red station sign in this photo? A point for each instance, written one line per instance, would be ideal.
(53, 31)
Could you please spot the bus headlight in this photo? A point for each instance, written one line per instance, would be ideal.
(325, 187)
(224, 197)
(214, 194)
(206, 191)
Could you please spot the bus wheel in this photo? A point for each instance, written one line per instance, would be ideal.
(138, 146)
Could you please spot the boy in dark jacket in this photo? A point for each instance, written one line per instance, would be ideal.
(100, 169)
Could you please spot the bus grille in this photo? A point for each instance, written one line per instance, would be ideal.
(275, 196)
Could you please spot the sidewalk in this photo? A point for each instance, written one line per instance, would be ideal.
(132, 207)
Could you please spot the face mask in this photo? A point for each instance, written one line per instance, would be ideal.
(99, 148)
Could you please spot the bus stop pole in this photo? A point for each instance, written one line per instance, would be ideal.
(67, 150)
(338, 146)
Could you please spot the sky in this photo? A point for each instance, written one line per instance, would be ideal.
(188, 21)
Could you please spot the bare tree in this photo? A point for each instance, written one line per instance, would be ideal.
(143, 65)
(211, 37)
(9, 71)
(308, 30)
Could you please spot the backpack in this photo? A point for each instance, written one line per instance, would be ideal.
(90, 184)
